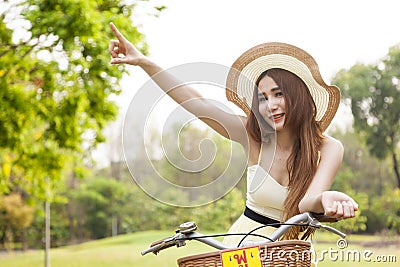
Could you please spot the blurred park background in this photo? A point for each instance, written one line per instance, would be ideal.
(61, 107)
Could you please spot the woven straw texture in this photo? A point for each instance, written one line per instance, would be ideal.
(290, 253)
(260, 58)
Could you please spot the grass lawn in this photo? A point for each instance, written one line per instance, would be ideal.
(125, 250)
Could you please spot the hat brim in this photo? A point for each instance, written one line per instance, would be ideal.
(249, 66)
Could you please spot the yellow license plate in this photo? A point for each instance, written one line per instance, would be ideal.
(241, 257)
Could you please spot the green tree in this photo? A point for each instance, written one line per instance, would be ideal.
(367, 179)
(360, 170)
(56, 85)
(384, 212)
(374, 92)
(101, 200)
(57, 91)
(15, 216)
(343, 183)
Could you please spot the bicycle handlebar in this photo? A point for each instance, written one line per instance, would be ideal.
(187, 232)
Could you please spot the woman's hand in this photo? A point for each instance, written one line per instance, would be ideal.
(122, 51)
(338, 205)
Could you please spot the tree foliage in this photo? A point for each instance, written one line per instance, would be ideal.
(57, 90)
(56, 85)
(100, 201)
(15, 216)
(374, 93)
(370, 182)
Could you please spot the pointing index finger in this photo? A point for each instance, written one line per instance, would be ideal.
(116, 32)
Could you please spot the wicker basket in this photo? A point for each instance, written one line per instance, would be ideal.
(292, 253)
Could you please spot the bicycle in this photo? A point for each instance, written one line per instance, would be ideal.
(269, 252)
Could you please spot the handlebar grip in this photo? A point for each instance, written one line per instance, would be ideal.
(323, 218)
(155, 243)
(333, 230)
(155, 248)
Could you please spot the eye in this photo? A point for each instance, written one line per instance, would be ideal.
(279, 94)
(262, 99)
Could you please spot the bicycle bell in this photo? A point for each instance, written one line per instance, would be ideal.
(187, 227)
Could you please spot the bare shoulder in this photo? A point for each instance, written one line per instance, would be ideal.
(332, 142)
(332, 146)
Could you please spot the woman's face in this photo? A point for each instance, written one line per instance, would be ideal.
(271, 103)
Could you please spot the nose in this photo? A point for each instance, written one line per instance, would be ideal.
(273, 102)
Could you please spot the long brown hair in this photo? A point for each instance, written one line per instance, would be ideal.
(300, 116)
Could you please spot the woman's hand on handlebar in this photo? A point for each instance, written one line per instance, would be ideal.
(122, 51)
(338, 205)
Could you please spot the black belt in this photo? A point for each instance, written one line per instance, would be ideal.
(260, 218)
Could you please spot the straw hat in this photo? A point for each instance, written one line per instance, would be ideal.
(248, 67)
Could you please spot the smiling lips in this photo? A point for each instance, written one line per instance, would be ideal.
(277, 117)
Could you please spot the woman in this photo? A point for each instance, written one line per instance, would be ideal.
(292, 165)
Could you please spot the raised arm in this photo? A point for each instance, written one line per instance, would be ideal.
(228, 125)
(318, 198)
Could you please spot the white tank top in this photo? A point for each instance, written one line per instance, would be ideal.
(265, 195)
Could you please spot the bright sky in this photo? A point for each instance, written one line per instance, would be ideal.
(336, 33)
